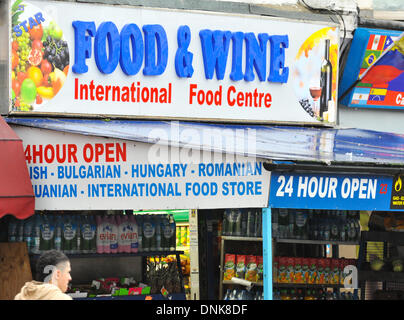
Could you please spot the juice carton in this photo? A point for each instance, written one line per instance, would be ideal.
(282, 270)
(290, 270)
(240, 266)
(251, 268)
(321, 271)
(298, 276)
(275, 269)
(313, 271)
(327, 270)
(306, 270)
(335, 271)
(229, 266)
(260, 267)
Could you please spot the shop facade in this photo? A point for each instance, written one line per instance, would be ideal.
(155, 77)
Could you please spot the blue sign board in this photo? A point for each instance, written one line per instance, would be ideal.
(331, 191)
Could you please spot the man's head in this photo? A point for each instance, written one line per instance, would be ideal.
(54, 267)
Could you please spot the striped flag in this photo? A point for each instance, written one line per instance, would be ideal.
(376, 42)
(388, 66)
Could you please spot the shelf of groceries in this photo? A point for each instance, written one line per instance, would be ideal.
(303, 226)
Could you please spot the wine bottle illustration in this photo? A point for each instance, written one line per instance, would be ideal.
(325, 82)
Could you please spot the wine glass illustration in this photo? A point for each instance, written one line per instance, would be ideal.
(315, 92)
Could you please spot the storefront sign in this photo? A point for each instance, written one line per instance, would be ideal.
(77, 172)
(397, 193)
(385, 87)
(154, 63)
(331, 191)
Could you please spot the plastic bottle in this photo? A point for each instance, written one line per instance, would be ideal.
(165, 233)
(47, 233)
(36, 234)
(139, 222)
(275, 233)
(20, 231)
(290, 231)
(100, 234)
(258, 223)
(93, 242)
(28, 228)
(121, 232)
(157, 225)
(134, 245)
(114, 235)
(236, 216)
(12, 229)
(244, 219)
(173, 227)
(250, 222)
(86, 234)
(58, 233)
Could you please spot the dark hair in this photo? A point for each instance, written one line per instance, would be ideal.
(48, 258)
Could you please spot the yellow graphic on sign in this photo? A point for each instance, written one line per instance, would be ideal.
(398, 184)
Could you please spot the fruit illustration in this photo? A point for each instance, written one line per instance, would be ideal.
(377, 264)
(39, 57)
(28, 91)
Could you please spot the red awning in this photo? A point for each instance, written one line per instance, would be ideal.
(16, 193)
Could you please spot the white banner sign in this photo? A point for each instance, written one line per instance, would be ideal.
(71, 58)
(77, 172)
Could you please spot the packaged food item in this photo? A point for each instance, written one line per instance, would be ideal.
(321, 271)
(240, 267)
(298, 272)
(327, 270)
(282, 270)
(306, 270)
(313, 272)
(260, 267)
(335, 271)
(251, 268)
(290, 270)
(229, 266)
(342, 265)
(275, 269)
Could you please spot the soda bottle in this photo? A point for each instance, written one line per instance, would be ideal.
(334, 228)
(230, 222)
(283, 223)
(76, 223)
(58, 233)
(225, 224)
(12, 229)
(166, 233)
(47, 231)
(85, 234)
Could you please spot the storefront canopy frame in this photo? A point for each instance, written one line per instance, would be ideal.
(326, 146)
(16, 193)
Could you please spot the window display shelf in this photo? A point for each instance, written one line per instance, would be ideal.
(306, 285)
(259, 283)
(174, 296)
(332, 242)
(106, 255)
(395, 237)
(232, 238)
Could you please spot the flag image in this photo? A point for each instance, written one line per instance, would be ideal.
(388, 66)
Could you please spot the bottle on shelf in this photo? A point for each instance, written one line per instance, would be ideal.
(325, 82)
